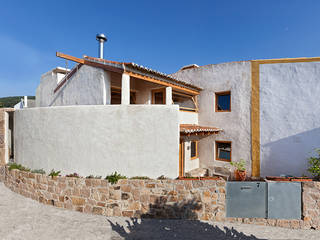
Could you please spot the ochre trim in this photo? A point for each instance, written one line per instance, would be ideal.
(255, 119)
(255, 105)
(287, 60)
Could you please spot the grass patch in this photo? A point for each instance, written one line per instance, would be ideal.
(93, 177)
(18, 166)
(40, 171)
(141, 178)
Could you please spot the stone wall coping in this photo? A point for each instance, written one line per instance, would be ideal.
(7, 109)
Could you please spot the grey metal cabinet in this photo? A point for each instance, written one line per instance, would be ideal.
(284, 200)
(246, 199)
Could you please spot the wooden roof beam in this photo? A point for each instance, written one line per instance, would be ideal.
(119, 70)
(68, 57)
(89, 63)
(163, 83)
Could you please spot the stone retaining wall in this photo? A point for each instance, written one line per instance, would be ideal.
(128, 198)
(188, 199)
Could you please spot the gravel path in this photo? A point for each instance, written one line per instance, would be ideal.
(22, 218)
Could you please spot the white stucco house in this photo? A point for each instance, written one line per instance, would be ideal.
(104, 116)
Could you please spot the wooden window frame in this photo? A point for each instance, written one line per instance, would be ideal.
(133, 94)
(217, 94)
(216, 148)
(193, 98)
(163, 90)
(196, 156)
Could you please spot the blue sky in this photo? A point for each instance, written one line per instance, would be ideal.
(163, 35)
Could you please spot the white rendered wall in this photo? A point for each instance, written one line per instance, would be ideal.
(44, 92)
(134, 140)
(289, 113)
(144, 95)
(189, 163)
(188, 117)
(234, 76)
(88, 86)
(6, 137)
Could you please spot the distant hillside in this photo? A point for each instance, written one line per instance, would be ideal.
(8, 102)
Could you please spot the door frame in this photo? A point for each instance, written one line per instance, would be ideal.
(181, 158)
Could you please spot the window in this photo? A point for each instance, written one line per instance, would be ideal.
(223, 101)
(158, 96)
(223, 151)
(194, 149)
(185, 102)
(116, 96)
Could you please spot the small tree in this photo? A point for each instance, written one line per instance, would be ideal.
(314, 163)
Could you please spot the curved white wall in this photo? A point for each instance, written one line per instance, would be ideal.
(133, 140)
(290, 116)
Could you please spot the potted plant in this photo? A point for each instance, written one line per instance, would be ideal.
(240, 172)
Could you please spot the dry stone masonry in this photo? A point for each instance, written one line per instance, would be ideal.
(188, 199)
(128, 198)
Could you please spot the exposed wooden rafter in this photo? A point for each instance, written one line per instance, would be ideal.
(121, 69)
(89, 63)
(167, 84)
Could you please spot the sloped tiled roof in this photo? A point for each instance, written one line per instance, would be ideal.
(196, 129)
(143, 69)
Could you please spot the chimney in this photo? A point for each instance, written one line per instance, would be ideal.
(25, 102)
(101, 38)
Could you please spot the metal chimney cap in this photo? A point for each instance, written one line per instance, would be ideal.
(101, 37)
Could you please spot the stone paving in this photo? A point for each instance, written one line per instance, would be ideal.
(23, 218)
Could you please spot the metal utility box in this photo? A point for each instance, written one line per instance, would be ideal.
(246, 199)
(284, 200)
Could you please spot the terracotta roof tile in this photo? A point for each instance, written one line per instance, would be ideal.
(143, 69)
(195, 129)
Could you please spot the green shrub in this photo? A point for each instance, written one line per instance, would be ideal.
(314, 163)
(162, 177)
(41, 171)
(189, 177)
(114, 177)
(140, 177)
(54, 173)
(18, 166)
(95, 177)
(76, 175)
